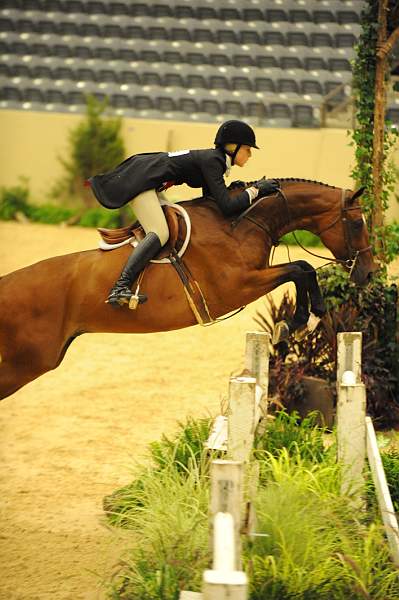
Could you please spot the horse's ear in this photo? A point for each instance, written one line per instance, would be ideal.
(356, 194)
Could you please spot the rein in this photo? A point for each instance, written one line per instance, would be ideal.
(354, 254)
(244, 215)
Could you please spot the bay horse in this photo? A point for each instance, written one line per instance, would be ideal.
(45, 306)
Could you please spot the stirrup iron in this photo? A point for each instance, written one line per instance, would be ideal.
(137, 298)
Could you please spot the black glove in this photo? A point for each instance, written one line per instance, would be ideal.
(234, 185)
(267, 186)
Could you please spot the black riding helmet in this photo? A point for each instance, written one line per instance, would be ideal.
(235, 132)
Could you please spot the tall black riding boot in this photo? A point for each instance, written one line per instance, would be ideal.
(121, 293)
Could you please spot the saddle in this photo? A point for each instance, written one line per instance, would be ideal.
(114, 238)
(179, 233)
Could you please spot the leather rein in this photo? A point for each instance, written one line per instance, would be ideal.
(352, 252)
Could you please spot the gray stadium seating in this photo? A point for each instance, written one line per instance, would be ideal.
(261, 61)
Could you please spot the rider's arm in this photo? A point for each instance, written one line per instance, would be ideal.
(215, 186)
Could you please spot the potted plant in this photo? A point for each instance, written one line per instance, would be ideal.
(303, 373)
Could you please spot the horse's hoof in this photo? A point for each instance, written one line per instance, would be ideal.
(309, 328)
(313, 322)
(301, 333)
(281, 333)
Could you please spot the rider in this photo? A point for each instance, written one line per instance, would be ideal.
(140, 177)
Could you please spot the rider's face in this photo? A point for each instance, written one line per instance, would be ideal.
(243, 155)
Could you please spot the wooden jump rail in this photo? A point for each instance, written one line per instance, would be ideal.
(234, 434)
(357, 439)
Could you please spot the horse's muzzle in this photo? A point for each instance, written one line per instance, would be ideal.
(362, 270)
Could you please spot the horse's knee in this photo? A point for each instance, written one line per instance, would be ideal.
(298, 273)
(305, 266)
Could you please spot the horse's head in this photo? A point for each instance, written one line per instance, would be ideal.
(348, 239)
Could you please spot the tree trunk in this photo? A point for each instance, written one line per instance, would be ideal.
(377, 218)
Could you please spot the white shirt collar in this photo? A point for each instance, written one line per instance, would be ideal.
(228, 165)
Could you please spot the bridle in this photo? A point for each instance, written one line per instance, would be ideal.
(345, 208)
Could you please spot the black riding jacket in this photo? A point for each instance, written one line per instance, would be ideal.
(196, 168)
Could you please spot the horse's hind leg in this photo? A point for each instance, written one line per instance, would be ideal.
(22, 362)
(11, 379)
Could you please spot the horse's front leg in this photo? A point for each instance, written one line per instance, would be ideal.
(317, 305)
(266, 280)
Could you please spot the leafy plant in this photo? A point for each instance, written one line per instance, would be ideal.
(390, 462)
(99, 217)
(48, 213)
(185, 451)
(186, 448)
(373, 311)
(314, 544)
(95, 146)
(169, 545)
(14, 200)
(364, 75)
(298, 437)
(306, 238)
(392, 240)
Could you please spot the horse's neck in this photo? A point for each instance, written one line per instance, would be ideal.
(307, 204)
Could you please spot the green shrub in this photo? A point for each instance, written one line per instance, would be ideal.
(371, 310)
(315, 547)
(49, 213)
(169, 545)
(95, 146)
(390, 461)
(186, 448)
(184, 452)
(295, 435)
(100, 217)
(392, 240)
(306, 238)
(14, 200)
(314, 543)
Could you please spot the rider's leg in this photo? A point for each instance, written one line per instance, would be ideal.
(151, 217)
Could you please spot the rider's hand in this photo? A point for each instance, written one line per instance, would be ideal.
(267, 186)
(235, 185)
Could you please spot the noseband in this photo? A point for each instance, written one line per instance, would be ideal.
(351, 251)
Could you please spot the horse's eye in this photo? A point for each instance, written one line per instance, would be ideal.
(358, 224)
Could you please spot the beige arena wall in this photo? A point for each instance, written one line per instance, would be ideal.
(30, 144)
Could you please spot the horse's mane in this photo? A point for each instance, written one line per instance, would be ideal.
(195, 201)
(299, 180)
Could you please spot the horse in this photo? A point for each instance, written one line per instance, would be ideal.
(45, 306)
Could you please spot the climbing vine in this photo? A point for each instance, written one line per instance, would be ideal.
(364, 70)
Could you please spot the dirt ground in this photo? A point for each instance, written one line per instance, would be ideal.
(73, 436)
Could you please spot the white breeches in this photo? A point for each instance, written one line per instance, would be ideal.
(149, 213)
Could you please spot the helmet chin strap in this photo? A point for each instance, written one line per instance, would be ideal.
(234, 154)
